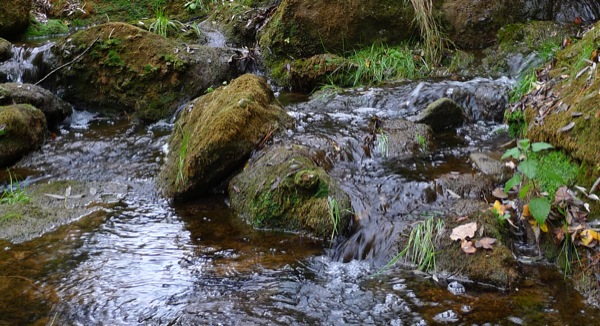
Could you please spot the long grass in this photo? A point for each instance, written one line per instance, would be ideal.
(420, 249)
(334, 215)
(14, 193)
(376, 64)
(162, 23)
(433, 39)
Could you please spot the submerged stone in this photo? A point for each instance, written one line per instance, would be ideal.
(283, 188)
(23, 130)
(216, 134)
(54, 203)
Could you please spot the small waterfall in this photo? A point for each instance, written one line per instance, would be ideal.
(26, 64)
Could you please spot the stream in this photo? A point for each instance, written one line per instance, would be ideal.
(144, 261)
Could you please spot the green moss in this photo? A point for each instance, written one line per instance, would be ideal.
(516, 123)
(554, 170)
(113, 59)
(51, 27)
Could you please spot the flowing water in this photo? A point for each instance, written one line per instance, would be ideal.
(146, 262)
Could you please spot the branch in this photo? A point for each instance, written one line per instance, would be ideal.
(70, 62)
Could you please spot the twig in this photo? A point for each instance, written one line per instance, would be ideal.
(70, 62)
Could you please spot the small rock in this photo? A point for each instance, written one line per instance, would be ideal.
(456, 288)
(442, 114)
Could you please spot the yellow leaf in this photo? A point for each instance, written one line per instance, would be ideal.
(498, 208)
(587, 236)
(544, 227)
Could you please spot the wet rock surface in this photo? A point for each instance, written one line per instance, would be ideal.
(442, 114)
(5, 49)
(56, 203)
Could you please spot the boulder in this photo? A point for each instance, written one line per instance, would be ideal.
(125, 68)
(216, 134)
(303, 28)
(442, 114)
(55, 109)
(23, 130)
(467, 186)
(14, 17)
(490, 166)
(283, 188)
(5, 50)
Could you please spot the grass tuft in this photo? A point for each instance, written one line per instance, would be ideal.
(14, 193)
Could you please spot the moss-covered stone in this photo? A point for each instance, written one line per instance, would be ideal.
(24, 129)
(496, 266)
(5, 50)
(49, 28)
(55, 109)
(214, 136)
(130, 69)
(442, 114)
(14, 17)
(283, 188)
(303, 28)
(305, 75)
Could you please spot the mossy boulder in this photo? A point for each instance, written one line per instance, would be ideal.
(5, 50)
(54, 108)
(125, 68)
(303, 28)
(496, 266)
(23, 130)
(216, 134)
(14, 17)
(283, 188)
(442, 114)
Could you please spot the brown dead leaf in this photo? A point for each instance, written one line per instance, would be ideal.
(461, 218)
(467, 247)
(526, 213)
(567, 127)
(485, 243)
(499, 193)
(464, 231)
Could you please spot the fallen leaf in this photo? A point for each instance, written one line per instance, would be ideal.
(526, 213)
(594, 197)
(485, 243)
(467, 247)
(499, 193)
(567, 127)
(587, 236)
(464, 231)
(498, 208)
(461, 218)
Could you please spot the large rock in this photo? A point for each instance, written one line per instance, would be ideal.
(23, 130)
(129, 69)
(302, 28)
(214, 136)
(55, 109)
(283, 188)
(5, 50)
(14, 17)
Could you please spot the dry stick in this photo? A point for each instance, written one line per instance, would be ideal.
(68, 63)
